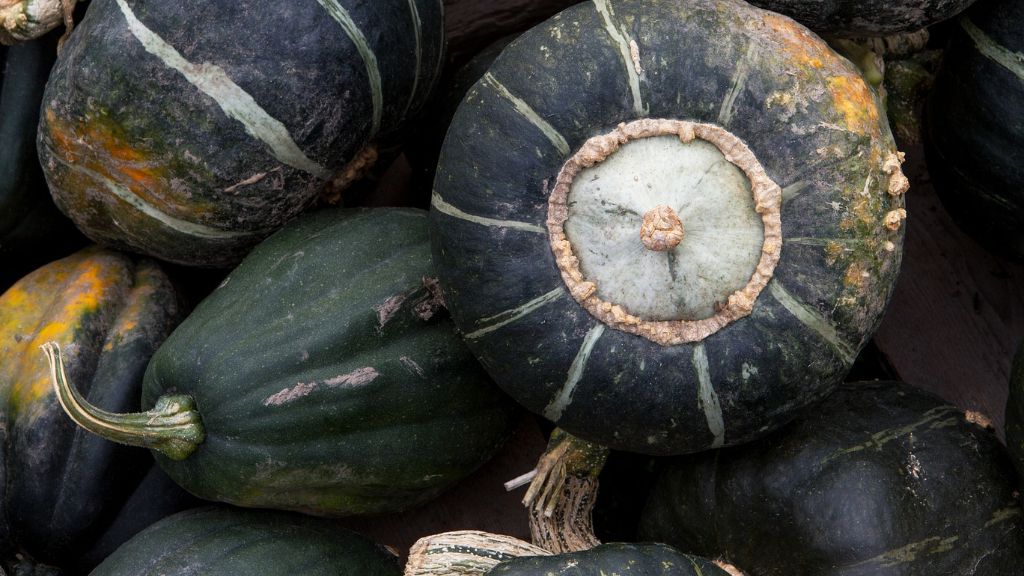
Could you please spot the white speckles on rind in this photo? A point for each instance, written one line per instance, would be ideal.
(627, 48)
(558, 404)
(359, 377)
(213, 81)
(342, 17)
(527, 111)
(707, 397)
(439, 204)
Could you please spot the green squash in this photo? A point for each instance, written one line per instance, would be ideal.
(974, 127)
(66, 494)
(170, 131)
(732, 131)
(852, 18)
(881, 479)
(321, 376)
(220, 541)
(32, 230)
(612, 560)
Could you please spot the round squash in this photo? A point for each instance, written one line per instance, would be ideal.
(881, 479)
(617, 559)
(32, 230)
(63, 488)
(973, 136)
(667, 226)
(220, 541)
(170, 132)
(851, 18)
(321, 376)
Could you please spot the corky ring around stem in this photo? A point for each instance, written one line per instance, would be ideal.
(172, 427)
(767, 196)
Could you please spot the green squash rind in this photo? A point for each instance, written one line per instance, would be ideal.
(327, 378)
(804, 112)
(221, 540)
(63, 488)
(880, 479)
(192, 134)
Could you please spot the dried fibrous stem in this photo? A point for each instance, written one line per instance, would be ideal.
(465, 553)
(357, 169)
(561, 496)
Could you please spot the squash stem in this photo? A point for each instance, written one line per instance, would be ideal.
(562, 494)
(173, 427)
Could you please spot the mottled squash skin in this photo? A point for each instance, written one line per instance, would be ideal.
(852, 18)
(223, 540)
(63, 488)
(881, 479)
(327, 376)
(190, 135)
(32, 230)
(612, 560)
(974, 127)
(807, 116)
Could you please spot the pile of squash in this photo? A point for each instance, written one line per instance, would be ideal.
(662, 227)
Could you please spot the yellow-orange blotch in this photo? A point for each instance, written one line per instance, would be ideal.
(855, 103)
(60, 302)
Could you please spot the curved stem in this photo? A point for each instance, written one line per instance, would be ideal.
(173, 427)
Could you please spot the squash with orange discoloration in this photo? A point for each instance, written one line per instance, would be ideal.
(172, 133)
(63, 488)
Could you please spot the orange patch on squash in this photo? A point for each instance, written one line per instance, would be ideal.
(802, 45)
(99, 145)
(60, 302)
(855, 103)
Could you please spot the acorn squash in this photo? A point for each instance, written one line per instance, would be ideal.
(322, 376)
(881, 479)
(221, 541)
(668, 226)
(974, 127)
(171, 132)
(851, 18)
(63, 490)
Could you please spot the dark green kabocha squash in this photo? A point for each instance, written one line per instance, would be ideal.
(870, 18)
(322, 376)
(667, 226)
(974, 126)
(881, 479)
(168, 130)
(612, 560)
(32, 230)
(63, 490)
(222, 541)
